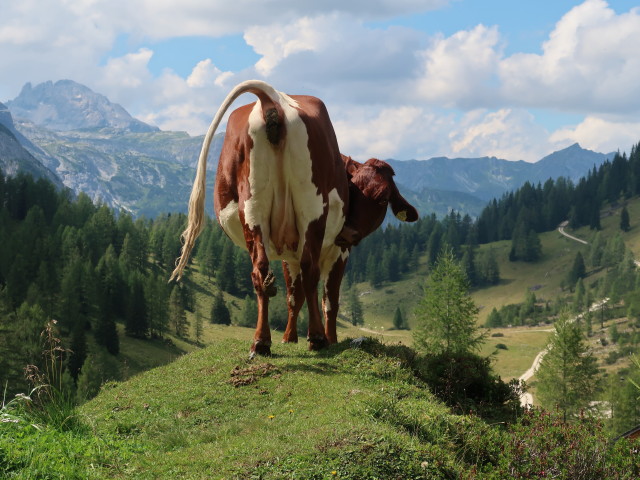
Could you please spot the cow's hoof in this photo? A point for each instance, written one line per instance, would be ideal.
(317, 343)
(260, 349)
(290, 339)
(269, 285)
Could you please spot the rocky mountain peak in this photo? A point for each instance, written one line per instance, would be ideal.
(66, 105)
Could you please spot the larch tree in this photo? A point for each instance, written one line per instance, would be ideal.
(446, 315)
(567, 377)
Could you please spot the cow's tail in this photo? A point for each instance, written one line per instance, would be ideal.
(272, 113)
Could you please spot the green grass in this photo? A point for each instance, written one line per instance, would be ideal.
(344, 413)
(214, 414)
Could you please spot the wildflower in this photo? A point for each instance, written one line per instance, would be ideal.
(290, 411)
(334, 472)
(271, 417)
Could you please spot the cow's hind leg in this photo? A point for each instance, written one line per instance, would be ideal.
(295, 300)
(264, 285)
(331, 298)
(310, 279)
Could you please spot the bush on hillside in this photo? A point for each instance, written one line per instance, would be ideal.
(466, 383)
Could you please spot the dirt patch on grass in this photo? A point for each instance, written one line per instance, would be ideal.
(248, 375)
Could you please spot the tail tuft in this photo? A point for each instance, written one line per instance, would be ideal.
(273, 126)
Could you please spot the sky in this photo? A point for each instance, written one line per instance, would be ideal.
(403, 79)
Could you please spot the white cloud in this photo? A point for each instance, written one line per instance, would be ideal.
(506, 133)
(391, 91)
(364, 133)
(276, 44)
(339, 59)
(588, 64)
(600, 135)
(459, 70)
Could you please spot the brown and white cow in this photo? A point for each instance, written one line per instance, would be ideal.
(282, 191)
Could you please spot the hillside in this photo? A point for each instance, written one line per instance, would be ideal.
(356, 411)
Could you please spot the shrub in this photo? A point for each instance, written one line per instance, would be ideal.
(541, 445)
(502, 346)
(466, 383)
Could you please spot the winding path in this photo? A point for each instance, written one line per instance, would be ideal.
(561, 230)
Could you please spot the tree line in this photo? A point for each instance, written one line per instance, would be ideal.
(540, 208)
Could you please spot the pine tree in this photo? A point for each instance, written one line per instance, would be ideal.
(579, 297)
(98, 368)
(106, 333)
(177, 314)
(398, 320)
(136, 321)
(567, 377)
(494, 319)
(446, 314)
(624, 220)
(219, 312)
(578, 270)
(198, 328)
(356, 314)
(225, 275)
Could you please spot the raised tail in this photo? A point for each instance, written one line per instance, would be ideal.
(273, 115)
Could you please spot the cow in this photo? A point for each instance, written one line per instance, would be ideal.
(283, 191)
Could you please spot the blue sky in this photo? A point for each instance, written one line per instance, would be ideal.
(401, 78)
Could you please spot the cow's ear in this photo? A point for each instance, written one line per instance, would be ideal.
(402, 209)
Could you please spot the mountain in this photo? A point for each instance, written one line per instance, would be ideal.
(143, 173)
(489, 177)
(572, 162)
(14, 157)
(67, 105)
(96, 147)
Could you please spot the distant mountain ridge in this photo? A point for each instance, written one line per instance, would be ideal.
(489, 177)
(97, 147)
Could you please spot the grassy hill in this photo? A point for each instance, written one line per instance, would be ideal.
(350, 412)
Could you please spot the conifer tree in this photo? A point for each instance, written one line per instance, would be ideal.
(399, 322)
(136, 322)
(578, 270)
(356, 313)
(625, 226)
(219, 312)
(177, 314)
(567, 377)
(198, 328)
(494, 319)
(446, 314)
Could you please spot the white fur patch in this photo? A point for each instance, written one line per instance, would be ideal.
(286, 174)
(230, 222)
